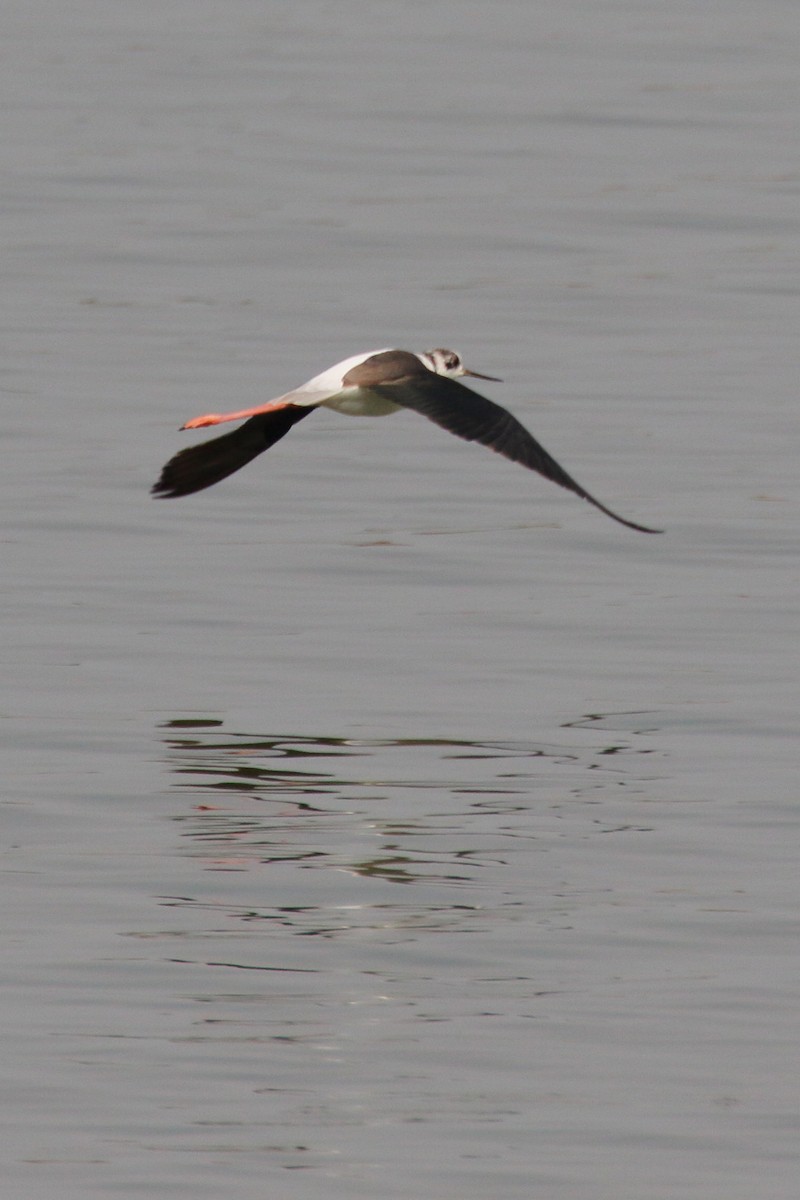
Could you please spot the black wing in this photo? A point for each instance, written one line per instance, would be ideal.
(200, 466)
(471, 416)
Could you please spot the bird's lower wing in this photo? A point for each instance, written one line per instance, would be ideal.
(471, 416)
(200, 466)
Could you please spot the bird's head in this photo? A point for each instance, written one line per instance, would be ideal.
(448, 362)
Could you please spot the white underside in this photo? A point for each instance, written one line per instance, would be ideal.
(356, 402)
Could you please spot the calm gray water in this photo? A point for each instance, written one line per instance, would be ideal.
(386, 822)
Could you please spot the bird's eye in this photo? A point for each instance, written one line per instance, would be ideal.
(451, 362)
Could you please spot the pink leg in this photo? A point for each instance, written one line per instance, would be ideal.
(220, 418)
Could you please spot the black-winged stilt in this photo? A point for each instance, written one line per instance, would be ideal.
(374, 384)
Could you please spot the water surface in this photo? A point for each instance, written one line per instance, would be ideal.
(385, 821)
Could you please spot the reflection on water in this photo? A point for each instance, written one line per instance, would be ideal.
(436, 812)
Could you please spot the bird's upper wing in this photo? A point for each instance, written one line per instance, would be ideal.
(200, 466)
(471, 416)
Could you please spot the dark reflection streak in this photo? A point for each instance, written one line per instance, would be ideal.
(388, 869)
(289, 793)
(491, 757)
(298, 858)
(257, 773)
(611, 720)
(279, 748)
(189, 962)
(467, 790)
(504, 808)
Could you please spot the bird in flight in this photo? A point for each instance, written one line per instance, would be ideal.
(374, 384)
